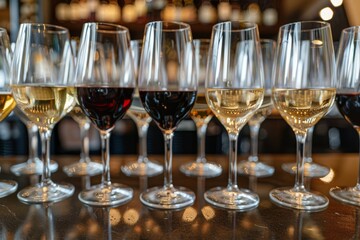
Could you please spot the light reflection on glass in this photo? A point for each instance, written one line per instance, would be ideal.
(189, 214)
(208, 212)
(329, 177)
(131, 216)
(114, 216)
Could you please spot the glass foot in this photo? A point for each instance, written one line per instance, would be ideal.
(167, 198)
(103, 195)
(147, 168)
(302, 200)
(311, 170)
(257, 169)
(83, 169)
(199, 169)
(7, 187)
(41, 193)
(232, 198)
(32, 168)
(350, 195)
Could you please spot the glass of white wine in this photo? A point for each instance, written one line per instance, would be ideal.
(7, 102)
(42, 84)
(303, 91)
(201, 115)
(234, 92)
(143, 166)
(252, 166)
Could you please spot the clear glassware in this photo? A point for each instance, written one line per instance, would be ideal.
(311, 169)
(252, 166)
(105, 84)
(33, 165)
(7, 103)
(303, 92)
(201, 115)
(84, 167)
(167, 88)
(42, 85)
(234, 92)
(143, 166)
(348, 100)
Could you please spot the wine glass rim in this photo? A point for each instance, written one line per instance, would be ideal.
(313, 25)
(108, 27)
(181, 26)
(47, 27)
(244, 26)
(351, 29)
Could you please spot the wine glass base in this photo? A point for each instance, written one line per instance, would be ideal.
(234, 198)
(312, 170)
(32, 168)
(83, 169)
(148, 168)
(199, 169)
(303, 200)
(106, 195)
(257, 169)
(167, 198)
(41, 193)
(349, 195)
(7, 187)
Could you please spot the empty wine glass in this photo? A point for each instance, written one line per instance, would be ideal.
(234, 92)
(42, 85)
(303, 91)
(201, 115)
(7, 102)
(33, 165)
(252, 166)
(105, 83)
(143, 166)
(348, 100)
(167, 88)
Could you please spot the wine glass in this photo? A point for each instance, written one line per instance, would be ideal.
(143, 166)
(347, 98)
(7, 102)
(252, 166)
(311, 169)
(33, 165)
(42, 85)
(201, 115)
(234, 92)
(167, 88)
(303, 91)
(105, 83)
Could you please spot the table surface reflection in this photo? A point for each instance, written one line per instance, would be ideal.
(70, 219)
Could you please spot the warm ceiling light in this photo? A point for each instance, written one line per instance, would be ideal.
(326, 14)
(336, 3)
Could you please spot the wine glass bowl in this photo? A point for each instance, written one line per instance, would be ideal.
(303, 92)
(234, 91)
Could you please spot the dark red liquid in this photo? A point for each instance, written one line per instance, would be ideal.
(168, 108)
(104, 105)
(349, 107)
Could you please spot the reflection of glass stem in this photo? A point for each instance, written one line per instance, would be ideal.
(142, 131)
(84, 135)
(254, 135)
(299, 225)
(201, 134)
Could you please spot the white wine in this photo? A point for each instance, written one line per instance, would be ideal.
(201, 113)
(234, 107)
(7, 104)
(264, 111)
(44, 105)
(303, 108)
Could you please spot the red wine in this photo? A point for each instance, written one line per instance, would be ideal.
(349, 106)
(104, 105)
(168, 108)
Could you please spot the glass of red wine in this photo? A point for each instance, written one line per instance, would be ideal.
(167, 89)
(105, 83)
(348, 98)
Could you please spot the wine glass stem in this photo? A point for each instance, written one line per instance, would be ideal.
(308, 145)
(33, 142)
(300, 159)
(232, 182)
(84, 135)
(142, 130)
(105, 157)
(254, 135)
(45, 135)
(201, 134)
(168, 138)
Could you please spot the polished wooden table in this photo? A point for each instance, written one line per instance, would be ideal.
(70, 219)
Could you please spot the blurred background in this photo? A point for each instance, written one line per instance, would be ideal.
(331, 134)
